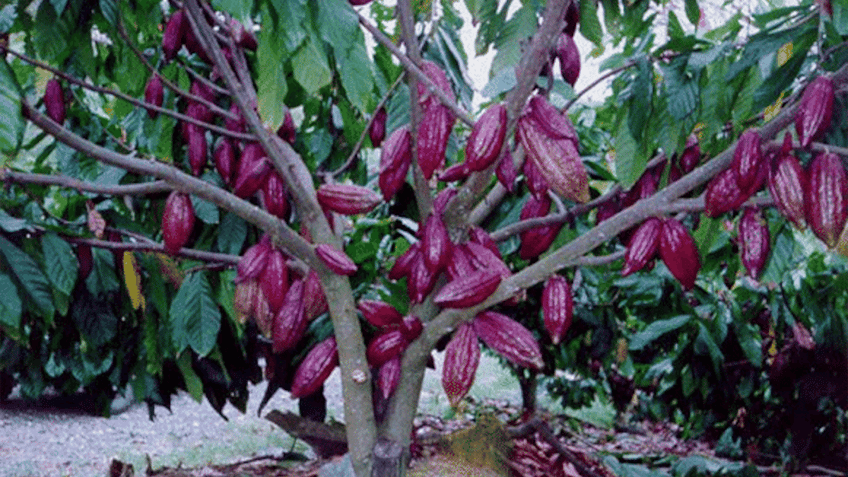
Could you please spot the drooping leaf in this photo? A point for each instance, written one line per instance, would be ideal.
(194, 385)
(10, 306)
(27, 272)
(630, 161)
(231, 234)
(657, 329)
(693, 12)
(12, 126)
(132, 280)
(60, 262)
(310, 67)
(195, 318)
(94, 318)
(339, 27)
(271, 85)
(590, 25)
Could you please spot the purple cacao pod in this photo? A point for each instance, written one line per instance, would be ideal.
(826, 197)
(569, 58)
(377, 129)
(395, 159)
(747, 158)
(456, 172)
(643, 247)
(274, 196)
(462, 357)
(242, 36)
(411, 327)
(420, 281)
(691, 156)
(347, 199)
(549, 120)
(174, 34)
(385, 346)
(723, 193)
(556, 159)
(379, 313)
(608, 208)
(754, 241)
(287, 131)
(435, 244)
(486, 139)
(225, 160)
(154, 94)
(787, 184)
(644, 187)
(536, 240)
(536, 182)
(679, 253)
(85, 260)
(290, 322)
(237, 124)
(506, 171)
(480, 236)
(252, 263)
(197, 151)
(815, 110)
(335, 259)
(432, 141)
(388, 377)
(508, 338)
(253, 170)
(460, 263)
(425, 98)
(470, 290)
(557, 307)
(572, 18)
(177, 222)
(403, 264)
(274, 280)
(314, 300)
(315, 368)
(482, 258)
(440, 202)
(54, 101)
(201, 89)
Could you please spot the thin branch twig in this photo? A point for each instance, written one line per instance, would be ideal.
(154, 187)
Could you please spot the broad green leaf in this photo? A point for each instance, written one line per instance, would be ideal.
(693, 12)
(630, 162)
(656, 329)
(94, 318)
(102, 278)
(310, 67)
(30, 276)
(357, 76)
(109, 9)
(508, 41)
(194, 385)
(504, 81)
(195, 318)
(590, 25)
(339, 27)
(59, 5)
(231, 234)
(271, 86)
(12, 224)
(706, 345)
(675, 30)
(291, 20)
(204, 210)
(750, 342)
(840, 17)
(10, 306)
(682, 89)
(239, 9)
(61, 263)
(8, 14)
(12, 126)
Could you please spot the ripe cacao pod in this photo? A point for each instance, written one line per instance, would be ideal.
(335, 259)
(644, 187)
(347, 199)
(315, 368)
(556, 159)
(747, 158)
(201, 89)
(815, 110)
(480, 236)
(826, 197)
(420, 281)
(403, 264)
(608, 208)
(172, 38)
(572, 18)
(253, 170)
(691, 156)
(242, 36)
(154, 94)
(379, 313)
(460, 263)
(679, 253)
(536, 240)
(486, 139)
(435, 244)
(440, 202)
(177, 222)
(569, 58)
(482, 258)
(425, 98)
(243, 297)
(508, 338)
(754, 241)
(550, 121)
(377, 129)
(456, 172)
(54, 101)
(787, 185)
(290, 322)
(433, 134)
(723, 193)
(643, 247)
(252, 263)
(385, 346)
(274, 196)
(506, 171)
(196, 149)
(287, 131)
(238, 123)
(395, 159)
(469, 290)
(314, 300)
(411, 327)
(557, 307)
(274, 280)
(462, 357)
(85, 260)
(388, 377)
(536, 182)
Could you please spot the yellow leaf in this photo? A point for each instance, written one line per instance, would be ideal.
(771, 111)
(132, 280)
(784, 54)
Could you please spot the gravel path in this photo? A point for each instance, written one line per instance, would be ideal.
(45, 440)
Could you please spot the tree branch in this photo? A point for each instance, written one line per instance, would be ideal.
(201, 255)
(155, 187)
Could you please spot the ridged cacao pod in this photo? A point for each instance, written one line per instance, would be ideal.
(508, 338)
(826, 197)
(691, 156)
(440, 202)
(177, 222)
(469, 290)
(550, 121)
(425, 98)
(85, 260)
(379, 313)
(569, 58)
(456, 172)
(506, 171)
(815, 110)
(243, 298)
(420, 281)
(411, 327)
(238, 123)
(403, 264)
(54, 101)
(193, 44)
(462, 357)
(486, 139)
(536, 182)
(347, 199)
(787, 185)
(556, 159)
(679, 253)
(723, 193)
(287, 131)
(274, 280)
(274, 196)
(253, 170)
(201, 89)
(433, 134)
(252, 263)
(315, 368)
(388, 377)
(572, 18)
(225, 160)
(608, 208)
(557, 307)
(460, 263)
(747, 158)
(385, 346)
(290, 322)
(644, 187)
(377, 129)
(314, 300)
(482, 258)
(643, 247)
(197, 111)
(536, 240)
(754, 241)
(335, 259)
(154, 94)
(435, 244)
(197, 150)
(395, 159)
(480, 236)
(172, 38)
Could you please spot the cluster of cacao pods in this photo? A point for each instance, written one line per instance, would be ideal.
(386, 347)
(669, 239)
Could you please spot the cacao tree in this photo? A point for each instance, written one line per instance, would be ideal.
(361, 208)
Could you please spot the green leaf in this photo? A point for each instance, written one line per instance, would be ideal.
(206, 211)
(94, 318)
(291, 22)
(195, 318)
(12, 224)
(12, 126)
(10, 306)
(59, 6)
(239, 9)
(840, 17)
(310, 67)
(194, 385)
(675, 30)
(339, 27)
(109, 8)
(231, 234)
(30, 276)
(705, 344)
(502, 82)
(693, 12)
(656, 329)
(271, 86)
(590, 25)
(102, 278)
(8, 14)
(630, 162)
(61, 263)
(750, 342)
